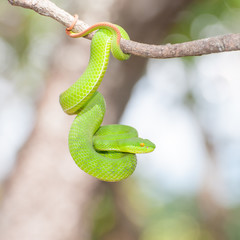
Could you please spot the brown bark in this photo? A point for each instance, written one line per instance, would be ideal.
(47, 196)
(225, 43)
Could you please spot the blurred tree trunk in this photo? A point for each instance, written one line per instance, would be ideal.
(213, 213)
(47, 196)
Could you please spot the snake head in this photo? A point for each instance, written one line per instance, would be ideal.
(144, 146)
(137, 145)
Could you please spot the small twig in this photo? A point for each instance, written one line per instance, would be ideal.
(225, 43)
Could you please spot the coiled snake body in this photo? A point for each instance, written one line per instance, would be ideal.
(107, 152)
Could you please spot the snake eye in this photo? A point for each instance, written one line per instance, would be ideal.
(142, 144)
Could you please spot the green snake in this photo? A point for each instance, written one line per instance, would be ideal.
(105, 152)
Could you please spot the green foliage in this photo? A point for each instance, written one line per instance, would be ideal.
(218, 9)
(104, 218)
(233, 224)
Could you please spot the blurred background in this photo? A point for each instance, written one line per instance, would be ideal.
(188, 188)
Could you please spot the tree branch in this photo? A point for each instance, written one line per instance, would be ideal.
(224, 43)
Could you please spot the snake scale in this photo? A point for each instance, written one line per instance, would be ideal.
(105, 152)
